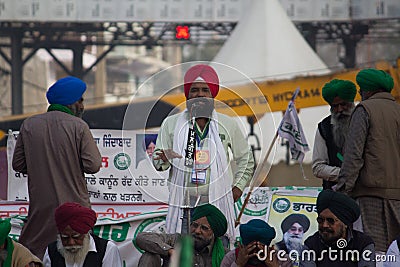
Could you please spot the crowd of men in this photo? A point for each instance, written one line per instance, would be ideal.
(356, 153)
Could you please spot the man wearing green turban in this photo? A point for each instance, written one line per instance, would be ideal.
(336, 243)
(332, 131)
(13, 254)
(371, 167)
(208, 224)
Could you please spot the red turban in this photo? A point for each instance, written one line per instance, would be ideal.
(78, 217)
(206, 73)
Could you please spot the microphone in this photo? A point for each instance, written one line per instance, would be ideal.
(194, 110)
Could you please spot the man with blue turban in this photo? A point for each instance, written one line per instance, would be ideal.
(255, 249)
(332, 131)
(371, 167)
(55, 149)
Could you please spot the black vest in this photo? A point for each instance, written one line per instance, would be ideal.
(358, 242)
(325, 129)
(281, 245)
(93, 259)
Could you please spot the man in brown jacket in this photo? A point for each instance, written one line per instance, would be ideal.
(55, 149)
(371, 167)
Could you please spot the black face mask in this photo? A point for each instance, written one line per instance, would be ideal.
(200, 107)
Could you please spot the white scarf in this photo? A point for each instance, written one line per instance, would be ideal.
(220, 187)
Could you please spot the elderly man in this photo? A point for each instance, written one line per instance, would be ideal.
(196, 145)
(336, 243)
(55, 149)
(13, 254)
(76, 246)
(332, 131)
(207, 226)
(371, 167)
(293, 228)
(256, 236)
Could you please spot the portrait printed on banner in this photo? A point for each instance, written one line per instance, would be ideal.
(145, 145)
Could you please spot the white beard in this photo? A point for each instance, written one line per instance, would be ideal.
(340, 126)
(293, 242)
(78, 253)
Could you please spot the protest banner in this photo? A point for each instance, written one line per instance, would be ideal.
(130, 196)
(122, 222)
(287, 202)
(126, 175)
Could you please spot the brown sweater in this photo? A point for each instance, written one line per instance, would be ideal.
(54, 149)
(371, 164)
(23, 257)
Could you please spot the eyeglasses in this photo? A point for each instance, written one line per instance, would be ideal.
(74, 237)
(330, 221)
(203, 227)
(342, 104)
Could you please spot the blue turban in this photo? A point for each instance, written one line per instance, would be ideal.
(257, 230)
(149, 138)
(66, 91)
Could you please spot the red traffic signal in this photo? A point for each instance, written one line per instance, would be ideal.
(182, 32)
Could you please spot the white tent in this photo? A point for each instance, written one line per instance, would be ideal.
(266, 45)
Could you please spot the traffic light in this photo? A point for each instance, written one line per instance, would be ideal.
(182, 32)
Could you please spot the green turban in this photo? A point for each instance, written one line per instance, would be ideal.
(218, 224)
(5, 228)
(344, 89)
(373, 80)
(214, 216)
(344, 207)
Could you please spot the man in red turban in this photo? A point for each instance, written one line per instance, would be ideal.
(76, 245)
(202, 73)
(197, 146)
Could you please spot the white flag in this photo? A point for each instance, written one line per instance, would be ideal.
(290, 129)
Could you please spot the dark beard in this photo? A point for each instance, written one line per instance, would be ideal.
(254, 261)
(200, 243)
(340, 127)
(77, 112)
(329, 237)
(200, 107)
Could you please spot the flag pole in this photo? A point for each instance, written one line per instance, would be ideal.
(259, 171)
(257, 175)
